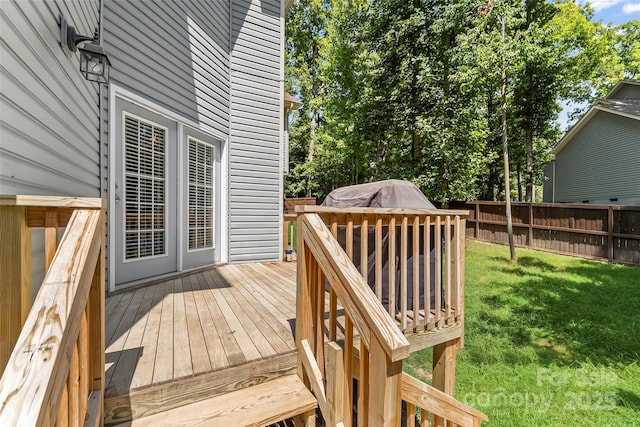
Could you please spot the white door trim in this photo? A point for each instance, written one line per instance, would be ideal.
(116, 91)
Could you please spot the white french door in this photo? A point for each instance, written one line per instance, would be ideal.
(166, 184)
(201, 199)
(145, 185)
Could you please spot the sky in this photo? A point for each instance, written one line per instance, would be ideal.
(615, 11)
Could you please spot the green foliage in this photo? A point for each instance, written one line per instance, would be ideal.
(411, 89)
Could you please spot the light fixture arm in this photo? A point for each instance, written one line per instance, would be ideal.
(70, 38)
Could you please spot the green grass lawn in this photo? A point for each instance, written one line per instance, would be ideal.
(549, 341)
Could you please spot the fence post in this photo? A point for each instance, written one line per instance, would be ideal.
(610, 234)
(15, 285)
(477, 236)
(531, 225)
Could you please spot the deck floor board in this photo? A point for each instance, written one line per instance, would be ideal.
(199, 323)
(199, 354)
(143, 372)
(181, 349)
(231, 348)
(160, 362)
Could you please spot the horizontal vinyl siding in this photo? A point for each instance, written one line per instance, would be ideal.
(174, 54)
(49, 116)
(628, 91)
(49, 121)
(255, 175)
(547, 193)
(601, 161)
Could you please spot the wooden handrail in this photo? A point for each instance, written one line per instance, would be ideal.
(342, 253)
(382, 344)
(428, 398)
(359, 301)
(53, 201)
(65, 323)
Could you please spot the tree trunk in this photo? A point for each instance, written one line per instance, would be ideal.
(505, 150)
(493, 178)
(519, 177)
(312, 137)
(529, 122)
(529, 172)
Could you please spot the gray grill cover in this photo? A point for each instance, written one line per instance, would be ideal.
(392, 193)
(387, 194)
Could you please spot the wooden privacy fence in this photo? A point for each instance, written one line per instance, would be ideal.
(605, 232)
(53, 351)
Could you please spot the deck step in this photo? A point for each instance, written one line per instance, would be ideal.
(259, 405)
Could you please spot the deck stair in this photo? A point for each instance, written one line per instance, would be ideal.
(259, 405)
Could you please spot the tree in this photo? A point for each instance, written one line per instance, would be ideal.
(305, 30)
(413, 90)
(628, 48)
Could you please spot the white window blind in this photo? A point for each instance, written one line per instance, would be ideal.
(201, 195)
(145, 204)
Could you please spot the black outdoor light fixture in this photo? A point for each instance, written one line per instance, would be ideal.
(94, 62)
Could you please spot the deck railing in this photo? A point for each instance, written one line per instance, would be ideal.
(54, 374)
(412, 259)
(356, 330)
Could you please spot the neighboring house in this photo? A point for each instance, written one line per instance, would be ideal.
(598, 159)
(185, 142)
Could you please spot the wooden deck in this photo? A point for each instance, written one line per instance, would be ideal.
(208, 333)
(196, 336)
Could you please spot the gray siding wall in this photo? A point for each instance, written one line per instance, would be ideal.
(547, 188)
(49, 114)
(218, 64)
(49, 120)
(628, 91)
(601, 161)
(256, 108)
(174, 54)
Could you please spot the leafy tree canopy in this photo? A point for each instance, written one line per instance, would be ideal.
(411, 89)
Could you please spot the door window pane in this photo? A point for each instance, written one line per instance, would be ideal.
(144, 188)
(200, 163)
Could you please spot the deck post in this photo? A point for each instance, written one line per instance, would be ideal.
(15, 286)
(444, 369)
(335, 383)
(95, 312)
(304, 321)
(309, 419)
(385, 378)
